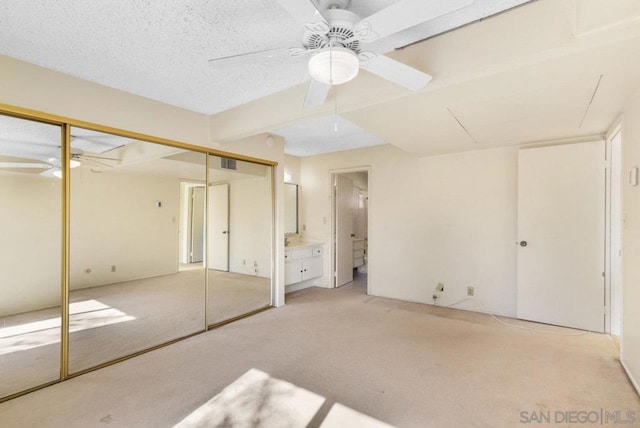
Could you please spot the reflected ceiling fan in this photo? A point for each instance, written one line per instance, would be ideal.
(333, 36)
(52, 165)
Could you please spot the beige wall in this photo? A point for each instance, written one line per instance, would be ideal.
(30, 248)
(250, 226)
(292, 168)
(449, 219)
(29, 86)
(631, 241)
(114, 222)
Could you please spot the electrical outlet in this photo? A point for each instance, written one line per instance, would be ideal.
(87, 270)
(471, 291)
(113, 268)
(244, 262)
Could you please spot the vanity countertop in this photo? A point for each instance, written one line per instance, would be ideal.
(302, 244)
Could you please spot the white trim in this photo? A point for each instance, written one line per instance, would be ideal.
(615, 128)
(635, 383)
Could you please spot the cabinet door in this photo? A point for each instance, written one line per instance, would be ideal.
(292, 272)
(312, 268)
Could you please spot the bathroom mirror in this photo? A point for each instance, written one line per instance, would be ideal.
(291, 208)
(30, 254)
(137, 277)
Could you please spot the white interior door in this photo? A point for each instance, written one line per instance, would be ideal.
(343, 230)
(561, 234)
(219, 227)
(196, 225)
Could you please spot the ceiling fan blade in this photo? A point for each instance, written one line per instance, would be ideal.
(99, 157)
(92, 159)
(404, 14)
(397, 72)
(24, 165)
(304, 11)
(49, 172)
(316, 94)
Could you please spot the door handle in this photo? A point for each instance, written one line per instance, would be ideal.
(224, 232)
(523, 243)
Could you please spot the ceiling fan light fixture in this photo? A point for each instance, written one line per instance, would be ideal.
(334, 66)
(57, 173)
(74, 163)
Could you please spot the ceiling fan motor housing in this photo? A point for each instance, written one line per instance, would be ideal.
(341, 23)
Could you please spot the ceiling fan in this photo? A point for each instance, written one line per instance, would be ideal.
(52, 165)
(334, 36)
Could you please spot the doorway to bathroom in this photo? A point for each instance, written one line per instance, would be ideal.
(192, 229)
(350, 229)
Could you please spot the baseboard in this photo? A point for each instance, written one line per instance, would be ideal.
(635, 384)
(299, 286)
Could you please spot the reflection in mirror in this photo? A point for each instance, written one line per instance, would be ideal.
(290, 208)
(240, 226)
(132, 284)
(30, 254)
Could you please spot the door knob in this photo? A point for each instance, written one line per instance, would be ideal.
(224, 232)
(523, 243)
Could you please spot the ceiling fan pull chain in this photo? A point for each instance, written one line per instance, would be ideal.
(335, 124)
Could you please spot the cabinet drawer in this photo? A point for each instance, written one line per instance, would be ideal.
(358, 253)
(297, 254)
(358, 245)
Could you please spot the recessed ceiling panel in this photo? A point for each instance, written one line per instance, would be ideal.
(325, 135)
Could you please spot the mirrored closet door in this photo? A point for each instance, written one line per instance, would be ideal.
(240, 219)
(137, 278)
(30, 254)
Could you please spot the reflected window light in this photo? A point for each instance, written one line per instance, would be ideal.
(84, 315)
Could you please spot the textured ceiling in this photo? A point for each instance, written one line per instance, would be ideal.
(551, 69)
(160, 49)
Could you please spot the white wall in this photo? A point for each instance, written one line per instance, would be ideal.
(631, 242)
(30, 247)
(114, 221)
(250, 226)
(449, 219)
(292, 169)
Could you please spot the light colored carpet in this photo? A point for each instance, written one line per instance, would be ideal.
(115, 320)
(403, 364)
